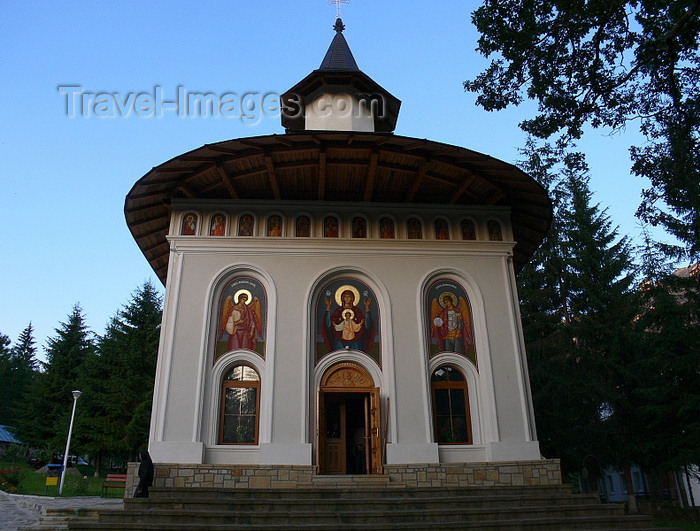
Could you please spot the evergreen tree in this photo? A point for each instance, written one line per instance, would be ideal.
(45, 418)
(605, 64)
(122, 375)
(575, 305)
(25, 366)
(668, 365)
(6, 390)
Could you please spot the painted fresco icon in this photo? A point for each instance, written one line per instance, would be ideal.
(495, 234)
(451, 328)
(347, 320)
(414, 229)
(274, 226)
(303, 227)
(218, 226)
(386, 228)
(241, 317)
(330, 227)
(441, 230)
(359, 227)
(245, 225)
(189, 224)
(468, 230)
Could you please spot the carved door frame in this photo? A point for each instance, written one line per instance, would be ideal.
(349, 377)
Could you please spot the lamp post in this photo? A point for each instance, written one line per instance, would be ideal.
(76, 395)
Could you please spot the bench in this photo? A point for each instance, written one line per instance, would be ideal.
(113, 481)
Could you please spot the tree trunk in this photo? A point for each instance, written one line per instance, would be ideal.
(631, 498)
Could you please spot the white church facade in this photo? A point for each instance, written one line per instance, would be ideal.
(340, 301)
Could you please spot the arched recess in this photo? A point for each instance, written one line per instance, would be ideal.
(479, 380)
(211, 369)
(383, 376)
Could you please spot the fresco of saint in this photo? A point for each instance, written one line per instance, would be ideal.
(189, 224)
(218, 226)
(241, 317)
(303, 227)
(451, 328)
(245, 225)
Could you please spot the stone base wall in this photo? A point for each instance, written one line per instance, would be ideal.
(502, 474)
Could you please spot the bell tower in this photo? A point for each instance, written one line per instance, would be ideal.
(338, 96)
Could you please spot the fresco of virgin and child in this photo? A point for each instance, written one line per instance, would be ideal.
(347, 319)
(241, 317)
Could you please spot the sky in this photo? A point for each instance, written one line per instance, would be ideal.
(68, 161)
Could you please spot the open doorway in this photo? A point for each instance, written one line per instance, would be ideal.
(345, 446)
(348, 422)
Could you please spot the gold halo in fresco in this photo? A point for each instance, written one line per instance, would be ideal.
(449, 294)
(346, 287)
(243, 292)
(348, 310)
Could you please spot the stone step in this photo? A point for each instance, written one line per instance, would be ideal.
(639, 523)
(356, 492)
(333, 517)
(362, 503)
(372, 507)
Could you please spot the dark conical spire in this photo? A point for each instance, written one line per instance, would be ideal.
(339, 56)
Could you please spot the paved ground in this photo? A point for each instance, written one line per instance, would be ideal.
(19, 511)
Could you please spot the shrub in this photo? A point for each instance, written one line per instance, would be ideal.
(10, 479)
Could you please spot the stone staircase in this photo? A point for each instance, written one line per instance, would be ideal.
(341, 504)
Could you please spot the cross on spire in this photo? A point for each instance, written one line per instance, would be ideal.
(338, 3)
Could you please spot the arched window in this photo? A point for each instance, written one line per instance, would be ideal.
(240, 403)
(451, 419)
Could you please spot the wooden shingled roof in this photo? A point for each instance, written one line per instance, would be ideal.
(335, 166)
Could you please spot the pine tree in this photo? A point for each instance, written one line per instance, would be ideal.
(580, 282)
(45, 418)
(25, 366)
(6, 391)
(120, 407)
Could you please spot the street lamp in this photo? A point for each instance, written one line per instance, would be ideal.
(76, 395)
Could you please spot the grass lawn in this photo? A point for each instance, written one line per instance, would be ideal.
(34, 483)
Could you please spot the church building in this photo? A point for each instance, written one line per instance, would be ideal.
(340, 301)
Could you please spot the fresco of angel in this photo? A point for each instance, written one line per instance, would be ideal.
(450, 323)
(241, 321)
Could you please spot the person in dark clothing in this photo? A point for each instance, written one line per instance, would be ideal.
(146, 471)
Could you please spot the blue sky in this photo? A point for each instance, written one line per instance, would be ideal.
(64, 179)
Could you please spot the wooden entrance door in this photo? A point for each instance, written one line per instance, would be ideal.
(348, 422)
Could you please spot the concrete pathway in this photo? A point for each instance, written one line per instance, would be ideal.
(17, 510)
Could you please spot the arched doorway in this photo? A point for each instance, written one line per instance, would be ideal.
(348, 422)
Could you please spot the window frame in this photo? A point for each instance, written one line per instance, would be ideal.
(450, 385)
(239, 384)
